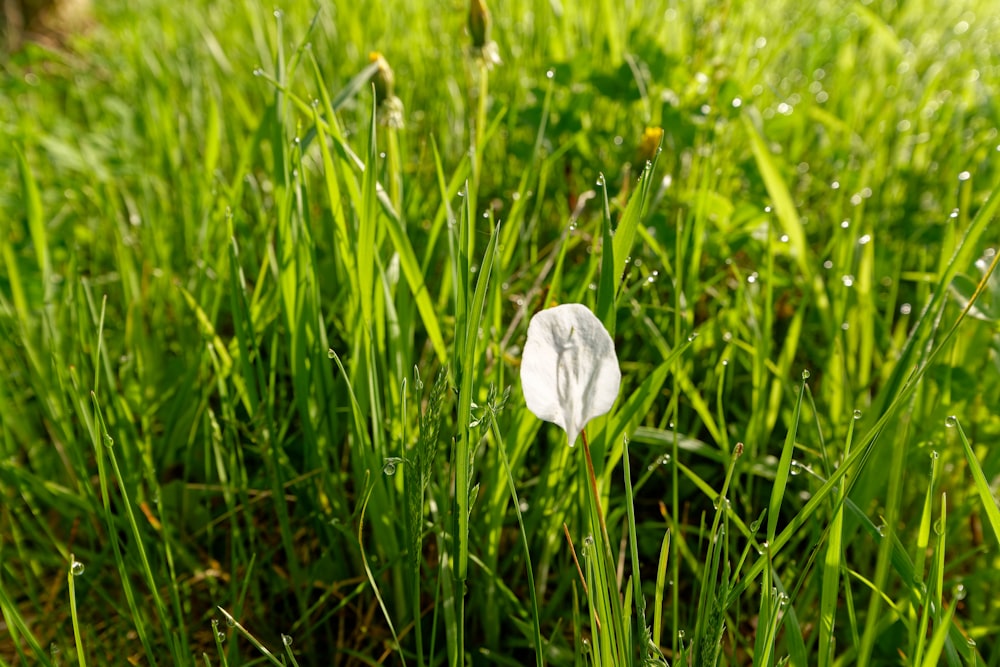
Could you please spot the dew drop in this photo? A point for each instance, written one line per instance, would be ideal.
(278, 13)
(330, 353)
(390, 464)
(938, 527)
(795, 468)
(959, 592)
(108, 441)
(951, 421)
(230, 621)
(286, 640)
(970, 642)
(806, 374)
(76, 567)
(881, 529)
(550, 74)
(680, 635)
(857, 415)
(692, 337)
(221, 636)
(600, 180)
(588, 541)
(964, 176)
(665, 459)
(258, 71)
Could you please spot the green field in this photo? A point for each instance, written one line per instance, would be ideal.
(266, 276)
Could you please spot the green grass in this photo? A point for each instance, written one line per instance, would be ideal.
(259, 344)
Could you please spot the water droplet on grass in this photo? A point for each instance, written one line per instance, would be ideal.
(857, 415)
(550, 74)
(330, 353)
(806, 374)
(286, 640)
(951, 421)
(959, 592)
(76, 567)
(390, 464)
(108, 441)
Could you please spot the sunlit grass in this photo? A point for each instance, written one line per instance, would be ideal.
(260, 341)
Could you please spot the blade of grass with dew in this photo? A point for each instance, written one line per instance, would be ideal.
(649, 649)
(709, 619)
(661, 572)
(264, 651)
(463, 451)
(635, 210)
(830, 570)
(919, 627)
(930, 603)
(885, 552)
(784, 467)
(608, 283)
(74, 570)
(784, 206)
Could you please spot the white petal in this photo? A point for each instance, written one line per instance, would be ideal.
(569, 369)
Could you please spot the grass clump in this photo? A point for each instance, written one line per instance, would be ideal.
(266, 277)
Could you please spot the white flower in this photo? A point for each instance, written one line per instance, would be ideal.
(569, 369)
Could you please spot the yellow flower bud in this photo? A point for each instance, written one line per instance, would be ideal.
(383, 78)
(649, 143)
(479, 23)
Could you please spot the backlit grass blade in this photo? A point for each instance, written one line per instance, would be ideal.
(979, 479)
(36, 224)
(784, 206)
